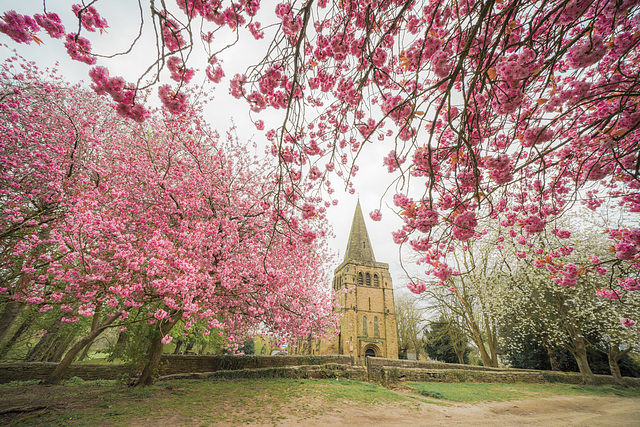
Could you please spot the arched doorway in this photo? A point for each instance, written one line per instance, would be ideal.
(372, 350)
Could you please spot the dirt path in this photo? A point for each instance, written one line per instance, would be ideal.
(182, 406)
(561, 410)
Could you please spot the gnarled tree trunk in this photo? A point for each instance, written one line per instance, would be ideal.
(57, 375)
(155, 351)
(12, 310)
(15, 337)
(613, 356)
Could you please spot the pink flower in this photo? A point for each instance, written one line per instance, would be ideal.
(376, 215)
(418, 287)
(79, 49)
(464, 226)
(259, 124)
(175, 103)
(166, 339)
(627, 322)
(51, 24)
(18, 27)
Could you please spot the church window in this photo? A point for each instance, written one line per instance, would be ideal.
(376, 282)
(368, 279)
(364, 325)
(364, 245)
(360, 279)
(376, 332)
(369, 304)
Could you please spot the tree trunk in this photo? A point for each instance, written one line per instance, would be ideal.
(12, 310)
(43, 349)
(460, 355)
(155, 353)
(178, 346)
(202, 349)
(118, 348)
(553, 359)
(579, 352)
(94, 325)
(614, 355)
(60, 347)
(15, 337)
(57, 375)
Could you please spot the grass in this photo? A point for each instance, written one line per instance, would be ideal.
(197, 402)
(498, 392)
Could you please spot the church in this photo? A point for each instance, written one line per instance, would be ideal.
(364, 291)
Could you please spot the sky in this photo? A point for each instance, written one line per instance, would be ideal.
(124, 23)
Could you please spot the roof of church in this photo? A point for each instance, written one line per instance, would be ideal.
(359, 247)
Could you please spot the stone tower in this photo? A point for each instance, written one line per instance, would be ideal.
(368, 325)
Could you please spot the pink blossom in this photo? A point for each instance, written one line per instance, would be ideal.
(19, 27)
(52, 24)
(464, 225)
(627, 322)
(34, 300)
(175, 103)
(166, 339)
(89, 17)
(376, 215)
(79, 49)
(609, 294)
(418, 287)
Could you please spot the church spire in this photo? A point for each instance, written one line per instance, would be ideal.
(359, 247)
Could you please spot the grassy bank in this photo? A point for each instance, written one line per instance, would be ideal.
(497, 392)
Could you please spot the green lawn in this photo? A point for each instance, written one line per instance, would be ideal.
(483, 392)
(92, 403)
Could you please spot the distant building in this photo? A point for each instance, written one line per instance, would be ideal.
(368, 324)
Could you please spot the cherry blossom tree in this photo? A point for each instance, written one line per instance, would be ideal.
(163, 219)
(510, 109)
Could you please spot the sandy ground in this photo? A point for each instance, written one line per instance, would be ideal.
(556, 411)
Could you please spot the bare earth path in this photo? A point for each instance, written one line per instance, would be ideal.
(556, 411)
(177, 404)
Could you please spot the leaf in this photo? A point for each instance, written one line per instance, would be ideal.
(619, 132)
(492, 73)
(542, 101)
(36, 39)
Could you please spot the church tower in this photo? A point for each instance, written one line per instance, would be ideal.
(365, 293)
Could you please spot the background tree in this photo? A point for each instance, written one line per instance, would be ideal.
(445, 341)
(564, 310)
(468, 294)
(410, 319)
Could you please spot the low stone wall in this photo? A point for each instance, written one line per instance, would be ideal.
(328, 371)
(169, 365)
(177, 364)
(391, 371)
(39, 371)
(385, 371)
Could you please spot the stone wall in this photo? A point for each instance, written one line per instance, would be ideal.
(169, 365)
(177, 364)
(39, 371)
(327, 371)
(392, 371)
(384, 371)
